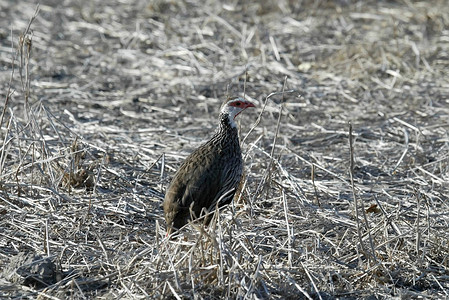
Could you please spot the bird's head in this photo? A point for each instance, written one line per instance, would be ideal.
(235, 106)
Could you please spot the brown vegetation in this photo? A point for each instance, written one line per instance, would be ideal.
(102, 100)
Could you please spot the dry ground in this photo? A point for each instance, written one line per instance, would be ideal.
(106, 98)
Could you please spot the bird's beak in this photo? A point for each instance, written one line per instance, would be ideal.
(250, 105)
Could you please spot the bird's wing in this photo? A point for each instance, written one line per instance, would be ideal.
(198, 179)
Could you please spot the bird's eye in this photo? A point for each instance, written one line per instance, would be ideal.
(237, 104)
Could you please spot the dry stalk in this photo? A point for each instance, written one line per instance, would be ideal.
(266, 179)
(369, 255)
(311, 281)
(299, 287)
(126, 86)
(4, 151)
(287, 225)
(418, 230)
(46, 239)
(312, 177)
(14, 59)
(403, 153)
(19, 51)
(259, 118)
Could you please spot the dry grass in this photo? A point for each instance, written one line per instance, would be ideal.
(103, 101)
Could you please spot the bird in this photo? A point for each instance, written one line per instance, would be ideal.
(209, 177)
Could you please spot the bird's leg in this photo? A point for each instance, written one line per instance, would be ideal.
(192, 213)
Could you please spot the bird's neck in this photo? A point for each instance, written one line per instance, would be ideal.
(227, 134)
(227, 123)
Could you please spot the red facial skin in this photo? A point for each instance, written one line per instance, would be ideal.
(241, 104)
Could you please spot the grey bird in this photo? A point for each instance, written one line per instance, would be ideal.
(209, 176)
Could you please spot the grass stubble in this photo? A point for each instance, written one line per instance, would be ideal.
(345, 191)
